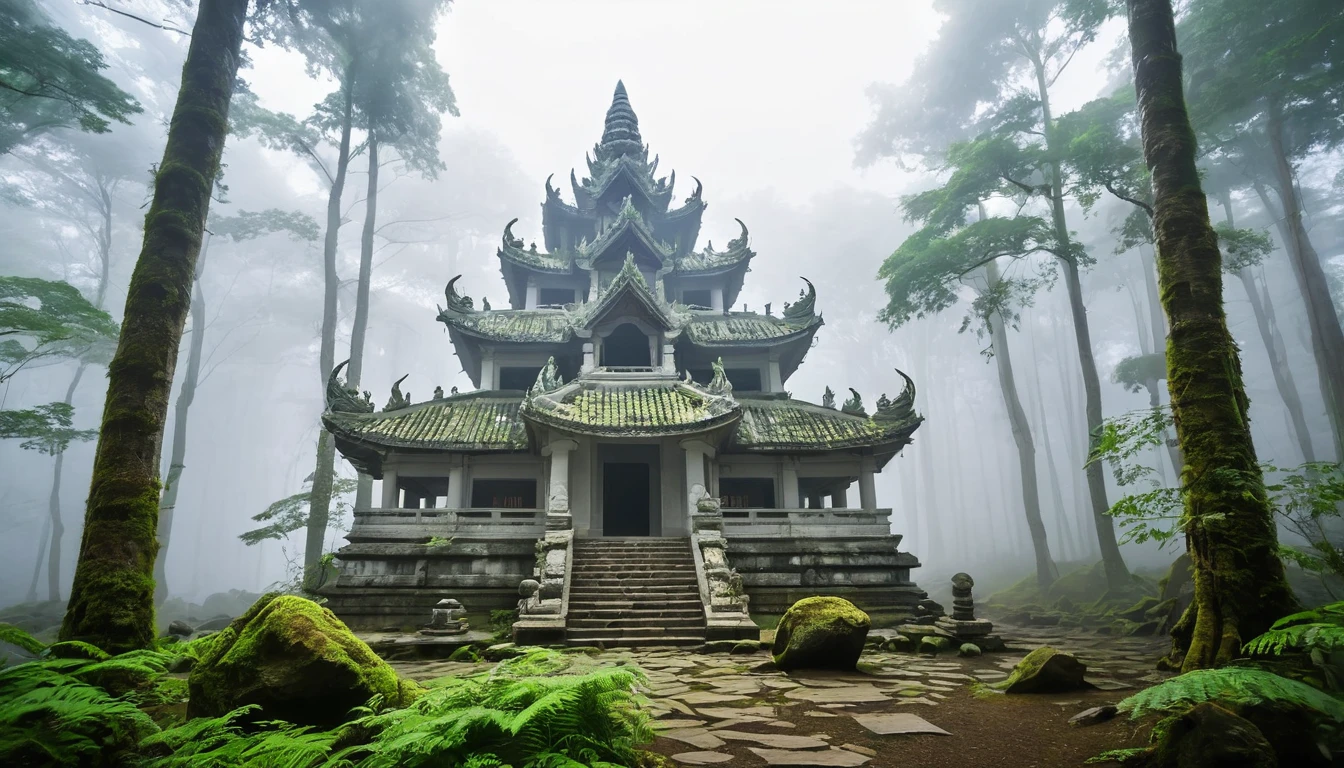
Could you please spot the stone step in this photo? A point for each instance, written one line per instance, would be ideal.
(653, 622)
(646, 594)
(692, 610)
(636, 642)
(629, 633)
(633, 565)
(580, 580)
(681, 547)
(604, 601)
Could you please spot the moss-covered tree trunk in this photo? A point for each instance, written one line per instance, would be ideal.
(1117, 573)
(319, 506)
(112, 598)
(1240, 586)
(358, 333)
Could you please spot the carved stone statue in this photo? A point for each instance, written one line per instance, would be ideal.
(558, 503)
(438, 393)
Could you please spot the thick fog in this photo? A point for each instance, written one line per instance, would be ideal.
(764, 102)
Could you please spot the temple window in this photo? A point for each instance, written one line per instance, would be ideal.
(747, 492)
(504, 494)
(626, 347)
(697, 298)
(555, 297)
(422, 492)
(518, 377)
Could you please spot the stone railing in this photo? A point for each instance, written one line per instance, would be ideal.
(544, 607)
(806, 522)
(464, 522)
(726, 605)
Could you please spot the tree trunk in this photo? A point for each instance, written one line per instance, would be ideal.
(37, 565)
(1157, 326)
(1263, 309)
(182, 411)
(319, 508)
(1117, 574)
(112, 598)
(1240, 586)
(364, 489)
(1327, 338)
(1026, 448)
(1067, 535)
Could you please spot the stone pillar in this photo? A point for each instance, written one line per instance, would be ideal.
(840, 498)
(532, 293)
(488, 369)
(776, 381)
(594, 285)
(696, 452)
(457, 492)
(558, 493)
(589, 357)
(669, 358)
(789, 496)
(867, 490)
(390, 496)
(716, 299)
(364, 491)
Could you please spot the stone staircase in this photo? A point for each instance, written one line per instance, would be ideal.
(634, 592)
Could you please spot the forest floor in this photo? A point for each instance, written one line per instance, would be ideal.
(718, 709)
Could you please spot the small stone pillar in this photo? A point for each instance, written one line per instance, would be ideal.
(840, 498)
(867, 488)
(589, 357)
(457, 479)
(962, 623)
(532, 293)
(716, 299)
(669, 358)
(446, 618)
(391, 496)
(557, 498)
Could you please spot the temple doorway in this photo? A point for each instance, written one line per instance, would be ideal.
(626, 347)
(630, 490)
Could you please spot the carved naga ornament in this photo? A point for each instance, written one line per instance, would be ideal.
(720, 385)
(457, 303)
(398, 401)
(900, 409)
(802, 311)
(343, 399)
(854, 405)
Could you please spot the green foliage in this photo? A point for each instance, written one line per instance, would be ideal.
(1317, 631)
(15, 636)
(291, 513)
(1136, 371)
(46, 318)
(1156, 514)
(223, 742)
(248, 225)
(501, 624)
(1237, 686)
(51, 80)
(1242, 248)
(44, 428)
(50, 718)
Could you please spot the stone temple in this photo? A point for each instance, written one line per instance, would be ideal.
(630, 463)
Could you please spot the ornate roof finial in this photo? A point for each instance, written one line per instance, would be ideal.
(900, 409)
(344, 399)
(621, 131)
(398, 401)
(720, 385)
(803, 310)
(828, 398)
(509, 239)
(854, 405)
(741, 240)
(456, 302)
(548, 379)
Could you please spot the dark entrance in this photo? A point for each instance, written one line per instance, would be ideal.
(625, 498)
(626, 347)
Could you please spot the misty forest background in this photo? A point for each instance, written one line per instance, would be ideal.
(811, 127)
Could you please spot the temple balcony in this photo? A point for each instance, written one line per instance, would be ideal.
(389, 523)
(805, 523)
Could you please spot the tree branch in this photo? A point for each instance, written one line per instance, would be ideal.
(140, 19)
(1148, 209)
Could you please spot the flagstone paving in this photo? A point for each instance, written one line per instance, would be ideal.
(737, 710)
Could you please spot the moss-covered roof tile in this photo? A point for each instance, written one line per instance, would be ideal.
(672, 407)
(717, 328)
(470, 422)
(522, 325)
(770, 424)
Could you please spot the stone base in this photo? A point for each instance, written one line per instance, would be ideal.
(866, 570)
(538, 631)
(729, 627)
(967, 630)
(462, 630)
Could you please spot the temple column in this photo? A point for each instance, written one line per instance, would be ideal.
(669, 359)
(789, 496)
(716, 299)
(559, 450)
(867, 489)
(457, 496)
(839, 499)
(488, 369)
(776, 380)
(589, 357)
(390, 495)
(532, 293)
(696, 452)
(364, 491)
(594, 285)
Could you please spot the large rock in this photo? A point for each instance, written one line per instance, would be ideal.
(294, 659)
(1046, 670)
(820, 633)
(1209, 736)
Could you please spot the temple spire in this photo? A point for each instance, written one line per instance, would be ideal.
(621, 132)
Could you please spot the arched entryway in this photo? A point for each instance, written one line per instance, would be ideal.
(626, 347)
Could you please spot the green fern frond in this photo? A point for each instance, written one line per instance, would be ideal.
(1230, 685)
(1325, 638)
(47, 718)
(1326, 614)
(15, 636)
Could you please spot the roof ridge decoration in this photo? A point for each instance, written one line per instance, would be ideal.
(398, 401)
(828, 398)
(457, 303)
(854, 405)
(720, 385)
(548, 379)
(345, 399)
(900, 409)
(673, 316)
(802, 311)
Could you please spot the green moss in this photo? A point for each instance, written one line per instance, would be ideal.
(75, 649)
(295, 659)
(1044, 670)
(465, 653)
(17, 637)
(820, 633)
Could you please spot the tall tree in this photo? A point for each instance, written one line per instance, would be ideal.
(1017, 145)
(50, 80)
(1240, 585)
(1267, 86)
(112, 598)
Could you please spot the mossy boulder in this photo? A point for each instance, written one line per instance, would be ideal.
(295, 660)
(968, 649)
(1046, 670)
(934, 644)
(820, 633)
(1209, 736)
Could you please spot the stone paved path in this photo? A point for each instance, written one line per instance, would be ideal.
(722, 709)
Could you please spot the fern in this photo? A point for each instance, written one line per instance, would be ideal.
(1230, 685)
(1325, 638)
(49, 718)
(17, 637)
(221, 742)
